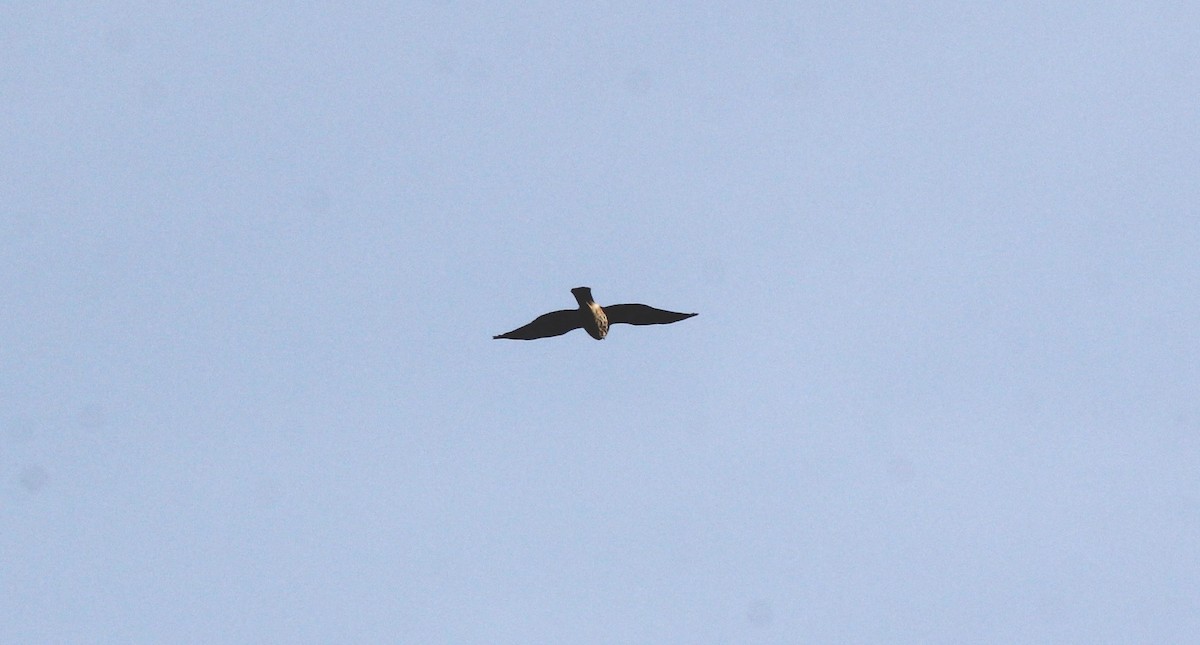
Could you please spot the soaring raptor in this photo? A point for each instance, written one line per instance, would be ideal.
(593, 318)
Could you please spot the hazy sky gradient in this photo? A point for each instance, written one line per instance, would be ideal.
(942, 388)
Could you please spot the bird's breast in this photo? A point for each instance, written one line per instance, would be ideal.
(595, 321)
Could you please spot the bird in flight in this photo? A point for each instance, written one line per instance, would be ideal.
(593, 318)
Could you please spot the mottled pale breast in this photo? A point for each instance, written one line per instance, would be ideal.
(596, 324)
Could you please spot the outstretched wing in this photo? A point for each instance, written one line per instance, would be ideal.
(642, 315)
(555, 323)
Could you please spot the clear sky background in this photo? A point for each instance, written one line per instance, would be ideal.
(942, 388)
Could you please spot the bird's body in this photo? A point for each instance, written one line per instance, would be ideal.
(595, 321)
(592, 318)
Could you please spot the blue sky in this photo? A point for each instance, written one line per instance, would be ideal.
(942, 387)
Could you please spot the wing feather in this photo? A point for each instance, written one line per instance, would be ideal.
(555, 323)
(642, 315)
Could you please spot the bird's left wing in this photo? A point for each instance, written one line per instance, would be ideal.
(555, 323)
(642, 315)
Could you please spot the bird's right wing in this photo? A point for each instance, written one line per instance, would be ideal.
(642, 315)
(555, 323)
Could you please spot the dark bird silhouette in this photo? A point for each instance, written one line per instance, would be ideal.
(593, 318)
